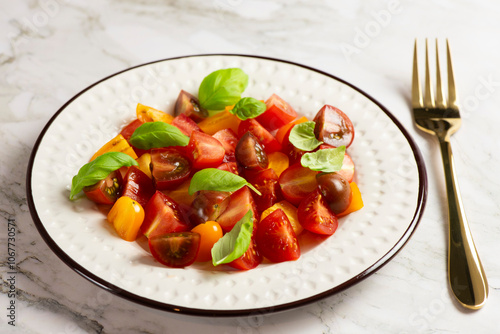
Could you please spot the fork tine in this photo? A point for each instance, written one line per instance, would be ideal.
(416, 92)
(452, 93)
(440, 100)
(429, 95)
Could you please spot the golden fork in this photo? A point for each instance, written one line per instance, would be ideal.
(442, 118)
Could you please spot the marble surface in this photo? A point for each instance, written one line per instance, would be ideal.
(52, 49)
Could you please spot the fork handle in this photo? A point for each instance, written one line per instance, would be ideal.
(465, 271)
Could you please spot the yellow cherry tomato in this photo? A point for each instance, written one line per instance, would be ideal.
(356, 201)
(148, 114)
(290, 212)
(127, 216)
(117, 144)
(278, 161)
(144, 161)
(210, 232)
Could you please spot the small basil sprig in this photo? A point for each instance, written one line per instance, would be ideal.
(302, 136)
(157, 134)
(219, 180)
(327, 160)
(248, 107)
(234, 243)
(98, 169)
(222, 88)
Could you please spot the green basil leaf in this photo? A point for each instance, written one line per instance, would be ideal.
(248, 107)
(234, 243)
(98, 169)
(157, 134)
(219, 180)
(302, 136)
(328, 160)
(222, 88)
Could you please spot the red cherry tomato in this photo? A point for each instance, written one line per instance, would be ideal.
(206, 151)
(278, 113)
(239, 203)
(266, 181)
(333, 127)
(249, 260)
(276, 239)
(315, 216)
(229, 140)
(297, 182)
(335, 190)
(185, 124)
(169, 167)
(163, 215)
(138, 186)
(175, 250)
(105, 191)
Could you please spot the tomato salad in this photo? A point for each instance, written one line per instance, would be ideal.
(224, 179)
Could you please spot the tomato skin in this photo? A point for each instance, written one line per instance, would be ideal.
(269, 143)
(297, 182)
(333, 127)
(251, 259)
(206, 151)
(229, 167)
(208, 205)
(315, 216)
(189, 105)
(129, 129)
(163, 215)
(278, 113)
(250, 154)
(229, 140)
(185, 124)
(335, 190)
(175, 250)
(127, 216)
(105, 191)
(239, 203)
(276, 239)
(138, 186)
(169, 167)
(210, 232)
(266, 181)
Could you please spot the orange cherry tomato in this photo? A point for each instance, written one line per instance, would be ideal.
(127, 216)
(210, 232)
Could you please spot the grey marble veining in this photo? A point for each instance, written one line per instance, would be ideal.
(52, 49)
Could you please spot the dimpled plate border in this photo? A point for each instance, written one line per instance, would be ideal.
(390, 174)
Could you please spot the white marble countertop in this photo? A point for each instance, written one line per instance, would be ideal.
(52, 49)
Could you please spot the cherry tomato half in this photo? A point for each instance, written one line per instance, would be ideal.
(333, 127)
(250, 153)
(250, 259)
(278, 113)
(189, 105)
(105, 191)
(315, 216)
(297, 182)
(206, 151)
(276, 239)
(175, 250)
(169, 167)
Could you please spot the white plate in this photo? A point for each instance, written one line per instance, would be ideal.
(390, 174)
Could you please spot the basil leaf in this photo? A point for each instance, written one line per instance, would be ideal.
(248, 107)
(219, 180)
(234, 243)
(222, 88)
(302, 136)
(328, 160)
(98, 169)
(157, 134)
